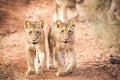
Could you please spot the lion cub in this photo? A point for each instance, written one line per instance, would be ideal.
(36, 54)
(61, 41)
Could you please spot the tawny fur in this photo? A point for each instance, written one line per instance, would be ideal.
(61, 41)
(35, 49)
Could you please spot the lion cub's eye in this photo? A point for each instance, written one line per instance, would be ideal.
(62, 31)
(37, 31)
(70, 31)
(30, 32)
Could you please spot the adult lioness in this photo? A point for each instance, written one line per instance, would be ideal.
(61, 41)
(64, 5)
(36, 54)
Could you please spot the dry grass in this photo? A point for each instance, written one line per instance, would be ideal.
(5, 71)
(107, 31)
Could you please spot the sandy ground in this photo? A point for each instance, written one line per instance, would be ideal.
(92, 61)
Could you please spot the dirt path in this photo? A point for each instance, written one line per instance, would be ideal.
(91, 62)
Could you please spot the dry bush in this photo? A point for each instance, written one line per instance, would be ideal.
(107, 30)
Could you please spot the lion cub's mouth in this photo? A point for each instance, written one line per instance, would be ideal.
(65, 42)
(34, 42)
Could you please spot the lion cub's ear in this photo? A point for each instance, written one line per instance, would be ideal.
(27, 24)
(71, 22)
(41, 22)
(58, 23)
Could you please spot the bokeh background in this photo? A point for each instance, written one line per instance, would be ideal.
(97, 39)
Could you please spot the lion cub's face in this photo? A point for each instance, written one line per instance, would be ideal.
(34, 31)
(65, 32)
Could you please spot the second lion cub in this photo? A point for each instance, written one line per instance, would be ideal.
(61, 42)
(36, 54)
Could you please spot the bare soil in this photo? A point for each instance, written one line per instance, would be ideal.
(92, 61)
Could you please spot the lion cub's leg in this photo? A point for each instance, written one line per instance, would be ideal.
(72, 58)
(40, 61)
(51, 59)
(51, 52)
(30, 60)
(60, 63)
(63, 14)
(55, 13)
(74, 12)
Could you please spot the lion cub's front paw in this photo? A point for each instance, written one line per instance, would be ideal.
(50, 66)
(60, 73)
(30, 73)
(68, 71)
(39, 72)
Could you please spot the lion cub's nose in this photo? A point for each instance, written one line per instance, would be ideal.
(66, 39)
(33, 40)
